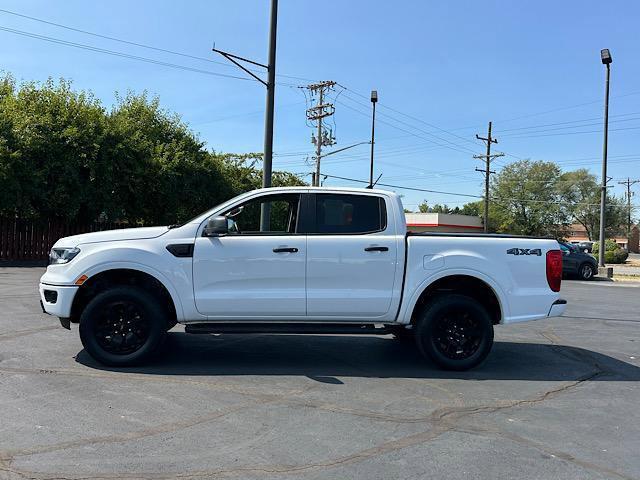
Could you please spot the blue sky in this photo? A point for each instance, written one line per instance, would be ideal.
(442, 71)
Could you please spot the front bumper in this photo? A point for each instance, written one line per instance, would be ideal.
(57, 299)
(557, 308)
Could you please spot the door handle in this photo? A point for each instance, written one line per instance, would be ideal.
(285, 250)
(376, 249)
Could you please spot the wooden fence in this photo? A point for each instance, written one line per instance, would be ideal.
(29, 240)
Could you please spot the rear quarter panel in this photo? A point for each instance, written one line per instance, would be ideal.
(519, 281)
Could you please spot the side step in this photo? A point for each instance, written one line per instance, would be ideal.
(297, 328)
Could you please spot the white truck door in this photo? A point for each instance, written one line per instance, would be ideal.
(351, 258)
(251, 273)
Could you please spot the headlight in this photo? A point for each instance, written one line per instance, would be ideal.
(62, 255)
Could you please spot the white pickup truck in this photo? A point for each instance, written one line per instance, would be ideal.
(325, 261)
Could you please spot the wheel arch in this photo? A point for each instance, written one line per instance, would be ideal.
(103, 277)
(484, 290)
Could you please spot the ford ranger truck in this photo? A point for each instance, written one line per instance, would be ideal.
(300, 260)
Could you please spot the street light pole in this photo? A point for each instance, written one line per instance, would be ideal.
(374, 100)
(605, 56)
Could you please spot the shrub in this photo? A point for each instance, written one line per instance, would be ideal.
(609, 246)
(612, 253)
(620, 256)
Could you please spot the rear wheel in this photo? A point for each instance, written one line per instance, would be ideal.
(455, 331)
(123, 326)
(586, 271)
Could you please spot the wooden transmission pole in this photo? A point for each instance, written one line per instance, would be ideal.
(628, 182)
(316, 113)
(487, 172)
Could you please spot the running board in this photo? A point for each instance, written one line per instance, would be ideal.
(296, 328)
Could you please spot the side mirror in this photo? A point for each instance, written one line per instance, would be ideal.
(216, 227)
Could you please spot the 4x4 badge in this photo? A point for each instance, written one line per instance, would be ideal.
(524, 251)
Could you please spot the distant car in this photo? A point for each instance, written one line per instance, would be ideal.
(577, 263)
(586, 247)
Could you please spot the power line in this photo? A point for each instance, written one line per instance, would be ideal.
(424, 122)
(413, 118)
(129, 42)
(465, 151)
(451, 145)
(118, 54)
(530, 127)
(568, 107)
(500, 199)
(403, 188)
(573, 133)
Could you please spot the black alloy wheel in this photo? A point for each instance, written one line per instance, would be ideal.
(123, 326)
(457, 335)
(454, 331)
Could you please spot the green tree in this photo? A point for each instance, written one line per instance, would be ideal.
(474, 208)
(50, 139)
(437, 208)
(62, 154)
(580, 193)
(526, 201)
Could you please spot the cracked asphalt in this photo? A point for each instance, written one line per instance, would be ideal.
(557, 399)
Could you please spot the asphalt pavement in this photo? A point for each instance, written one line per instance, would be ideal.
(557, 399)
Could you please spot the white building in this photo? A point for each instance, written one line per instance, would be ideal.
(443, 222)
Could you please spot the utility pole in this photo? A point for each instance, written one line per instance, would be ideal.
(316, 113)
(270, 84)
(487, 172)
(629, 183)
(271, 97)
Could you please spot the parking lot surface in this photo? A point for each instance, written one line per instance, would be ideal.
(557, 399)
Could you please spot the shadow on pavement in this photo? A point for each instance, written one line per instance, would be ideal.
(323, 358)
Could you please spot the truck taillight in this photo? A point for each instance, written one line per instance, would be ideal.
(554, 269)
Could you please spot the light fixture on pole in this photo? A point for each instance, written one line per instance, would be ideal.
(605, 56)
(374, 100)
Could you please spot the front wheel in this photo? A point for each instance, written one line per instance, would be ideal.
(123, 326)
(586, 271)
(455, 332)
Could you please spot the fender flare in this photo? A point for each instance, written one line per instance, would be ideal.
(407, 310)
(128, 265)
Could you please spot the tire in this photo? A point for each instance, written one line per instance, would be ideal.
(442, 332)
(586, 271)
(123, 326)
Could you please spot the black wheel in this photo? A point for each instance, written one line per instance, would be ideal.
(123, 326)
(455, 331)
(586, 271)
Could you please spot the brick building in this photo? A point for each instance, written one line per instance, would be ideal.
(577, 233)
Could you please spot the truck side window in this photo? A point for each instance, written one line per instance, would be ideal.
(245, 219)
(342, 214)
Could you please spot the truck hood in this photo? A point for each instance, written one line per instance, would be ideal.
(112, 236)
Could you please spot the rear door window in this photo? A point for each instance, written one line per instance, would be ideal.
(349, 214)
